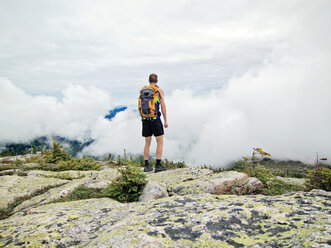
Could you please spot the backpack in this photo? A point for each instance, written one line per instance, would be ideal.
(148, 103)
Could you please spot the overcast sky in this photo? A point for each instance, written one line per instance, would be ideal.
(249, 73)
(46, 46)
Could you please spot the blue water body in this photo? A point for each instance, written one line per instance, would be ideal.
(112, 113)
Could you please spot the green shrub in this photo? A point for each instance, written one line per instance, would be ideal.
(57, 159)
(278, 187)
(258, 171)
(319, 178)
(173, 165)
(38, 159)
(253, 168)
(287, 168)
(128, 186)
(56, 154)
(83, 164)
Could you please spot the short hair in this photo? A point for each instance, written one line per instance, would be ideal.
(152, 78)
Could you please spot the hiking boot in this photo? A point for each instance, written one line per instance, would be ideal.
(159, 168)
(148, 168)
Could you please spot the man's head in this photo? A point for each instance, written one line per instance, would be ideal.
(152, 78)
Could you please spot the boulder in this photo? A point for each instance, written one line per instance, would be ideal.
(153, 191)
(249, 187)
(218, 183)
(195, 181)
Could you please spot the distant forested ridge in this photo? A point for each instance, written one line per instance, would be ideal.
(73, 147)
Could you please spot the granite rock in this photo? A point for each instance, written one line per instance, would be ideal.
(153, 191)
(12, 187)
(299, 219)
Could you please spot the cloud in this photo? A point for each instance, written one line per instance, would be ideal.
(283, 108)
(236, 76)
(24, 117)
(276, 107)
(114, 45)
(123, 132)
(281, 105)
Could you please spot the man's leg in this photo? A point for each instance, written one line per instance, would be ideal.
(147, 145)
(159, 149)
(159, 146)
(147, 166)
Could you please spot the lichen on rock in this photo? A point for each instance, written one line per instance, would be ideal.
(204, 220)
(178, 208)
(153, 191)
(196, 181)
(15, 186)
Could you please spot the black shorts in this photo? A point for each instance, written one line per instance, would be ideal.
(152, 127)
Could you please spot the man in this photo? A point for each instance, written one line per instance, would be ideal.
(153, 125)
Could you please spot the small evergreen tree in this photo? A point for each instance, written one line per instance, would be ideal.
(12, 152)
(128, 186)
(57, 153)
(34, 149)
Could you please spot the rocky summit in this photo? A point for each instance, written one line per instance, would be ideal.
(178, 208)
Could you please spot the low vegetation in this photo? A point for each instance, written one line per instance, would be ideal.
(259, 165)
(319, 178)
(139, 161)
(253, 167)
(126, 188)
(294, 169)
(57, 159)
(173, 165)
(130, 184)
(81, 193)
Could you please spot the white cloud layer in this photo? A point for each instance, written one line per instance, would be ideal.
(24, 117)
(277, 108)
(237, 75)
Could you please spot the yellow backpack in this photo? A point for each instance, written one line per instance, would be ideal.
(149, 102)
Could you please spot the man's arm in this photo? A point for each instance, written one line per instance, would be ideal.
(163, 108)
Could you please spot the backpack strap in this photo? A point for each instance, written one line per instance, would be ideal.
(156, 90)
